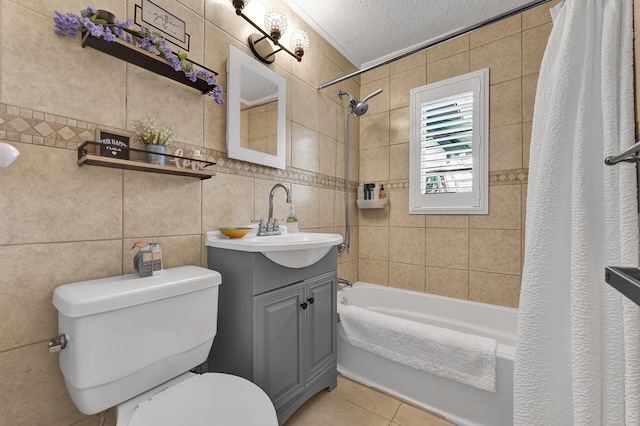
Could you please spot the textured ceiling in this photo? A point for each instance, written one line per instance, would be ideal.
(368, 32)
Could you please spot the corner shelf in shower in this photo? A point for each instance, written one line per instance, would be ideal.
(147, 60)
(373, 204)
(88, 154)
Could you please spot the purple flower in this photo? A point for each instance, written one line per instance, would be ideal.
(89, 11)
(95, 30)
(108, 35)
(66, 24)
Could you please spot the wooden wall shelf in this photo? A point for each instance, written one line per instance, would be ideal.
(140, 57)
(88, 155)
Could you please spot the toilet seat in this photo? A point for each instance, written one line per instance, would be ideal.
(206, 399)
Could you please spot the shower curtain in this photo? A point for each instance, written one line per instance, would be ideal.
(578, 348)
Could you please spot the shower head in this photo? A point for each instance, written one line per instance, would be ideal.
(358, 108)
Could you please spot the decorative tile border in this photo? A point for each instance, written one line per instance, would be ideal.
(38, 128)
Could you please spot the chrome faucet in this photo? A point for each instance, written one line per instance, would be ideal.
(272, 227)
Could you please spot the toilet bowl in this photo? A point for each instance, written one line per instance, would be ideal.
(200, 399)
(130, 343)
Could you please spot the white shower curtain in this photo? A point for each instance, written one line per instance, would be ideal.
(578, 348)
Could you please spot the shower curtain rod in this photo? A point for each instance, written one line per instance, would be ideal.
(629, 155)
(437, 41)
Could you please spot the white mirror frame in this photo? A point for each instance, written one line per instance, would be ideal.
(235, 63)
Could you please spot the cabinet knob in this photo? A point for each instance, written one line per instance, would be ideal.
(304, 305)
(311, 300)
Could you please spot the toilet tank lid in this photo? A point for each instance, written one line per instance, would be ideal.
(109, 294)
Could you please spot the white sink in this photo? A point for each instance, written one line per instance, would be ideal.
(291, 250)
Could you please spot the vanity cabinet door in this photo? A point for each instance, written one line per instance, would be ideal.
(279, 343)
(321, 325)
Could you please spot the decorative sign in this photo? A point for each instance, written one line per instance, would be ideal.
(114, 146)
(170, 24)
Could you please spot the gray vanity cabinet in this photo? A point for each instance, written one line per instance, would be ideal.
(276, 325)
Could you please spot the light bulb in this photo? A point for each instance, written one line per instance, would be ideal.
(275, 22)
(299, 41)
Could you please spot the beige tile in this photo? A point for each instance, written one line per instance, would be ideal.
(534, 43)
(448, 67)
(529, 87)
(227, 200)
(502, 56)
(329, 117)
(373, 217)
(446, 221)
(374, 243)
(27, 291)
(497, 289)
(496, 31)
(373, 271)
(408, 415)
(538, 16)
(449, 48)
(327, 163)
(367, 398)
(505, 150)
(448, 282)
(305, 200)
(374, 130)
(305, 148)
(46, 197)
(399, 210)
(399, 162)
(407, 245)
(305, 105)
(374, 164)
(152, 202)
(505, 103)
(407, 277)
(400, 85)
(375, 74)
(495, 251)
(32, 389)
(325, 409)
(326, 207)
(413, 61)
(504, 209)
(65, 88)
(399, 125)
(526, 143)
(447, 248)
(331, 53)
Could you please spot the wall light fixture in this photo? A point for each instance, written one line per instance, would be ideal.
(275, 22)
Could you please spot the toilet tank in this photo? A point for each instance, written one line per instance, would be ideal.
(127, 335)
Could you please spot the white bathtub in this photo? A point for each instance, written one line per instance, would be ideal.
(459, 403)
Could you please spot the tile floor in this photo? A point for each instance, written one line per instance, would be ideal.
(353, 404)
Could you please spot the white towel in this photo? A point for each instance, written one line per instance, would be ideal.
(462, 357)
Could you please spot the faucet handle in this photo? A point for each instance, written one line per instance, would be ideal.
(276, 225)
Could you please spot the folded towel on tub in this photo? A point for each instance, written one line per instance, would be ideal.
(463, 357)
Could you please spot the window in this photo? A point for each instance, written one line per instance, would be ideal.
(449, 146)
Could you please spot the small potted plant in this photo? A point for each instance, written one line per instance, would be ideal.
(154, 138)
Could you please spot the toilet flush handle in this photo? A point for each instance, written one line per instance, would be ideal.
(57, 344)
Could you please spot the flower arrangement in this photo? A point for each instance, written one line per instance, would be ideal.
(149, 133)
(73, 25)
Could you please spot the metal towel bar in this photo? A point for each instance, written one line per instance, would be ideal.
(629, 155)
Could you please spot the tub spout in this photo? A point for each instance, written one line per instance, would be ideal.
(345, 282)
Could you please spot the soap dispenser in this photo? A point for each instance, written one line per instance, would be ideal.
(292, 222)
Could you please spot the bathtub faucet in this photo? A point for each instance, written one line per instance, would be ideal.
(345, 282)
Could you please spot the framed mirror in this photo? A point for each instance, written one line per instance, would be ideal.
(256, 111)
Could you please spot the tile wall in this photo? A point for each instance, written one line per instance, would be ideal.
(476, 257)
(62, 223)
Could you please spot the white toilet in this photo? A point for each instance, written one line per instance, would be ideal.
(132, 341)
